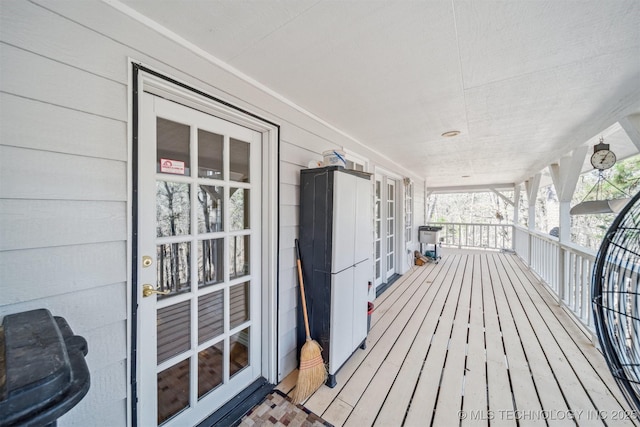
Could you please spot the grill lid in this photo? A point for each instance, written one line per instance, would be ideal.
(43, 372)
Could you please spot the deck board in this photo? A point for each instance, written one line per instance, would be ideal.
(423, 402)
(475, 381)
(523, 385)
(498, 379)
(452, 381)
(402, 391)
(474, 340)
(590, 380)
(384, 320)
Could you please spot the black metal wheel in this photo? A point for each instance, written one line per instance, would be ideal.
(616, 303)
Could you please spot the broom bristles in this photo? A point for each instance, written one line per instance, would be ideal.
(312, 373)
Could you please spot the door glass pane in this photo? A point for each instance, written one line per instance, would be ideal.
(210, 154)
(210, 368)
(238, 256)
(174, 325)
(210, 200)
(173, 390)
(377, 249)
(238, 304)
(173, 268)
(239, 354)
(239, 160)
(172, 147)
(210, 262)
(210, 316)
(173, 209)
(239, 209)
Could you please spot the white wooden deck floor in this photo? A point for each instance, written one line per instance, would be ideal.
(473, 340)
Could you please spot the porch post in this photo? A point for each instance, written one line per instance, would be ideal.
(565, 176)
(531, 186)
(516, 214)
(516, 204)
(631, 125)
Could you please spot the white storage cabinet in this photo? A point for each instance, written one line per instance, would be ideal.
(336, 243)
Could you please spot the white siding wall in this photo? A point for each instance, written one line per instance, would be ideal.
(63, 176)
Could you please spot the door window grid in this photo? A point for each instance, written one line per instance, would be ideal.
(391, 223)
(211, 200)
(377, 230)
(408, 209)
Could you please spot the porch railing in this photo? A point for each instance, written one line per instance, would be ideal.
(484, 236)
(565, 268)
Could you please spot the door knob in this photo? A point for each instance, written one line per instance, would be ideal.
(148, 290)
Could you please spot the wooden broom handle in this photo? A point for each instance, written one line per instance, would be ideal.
(304, 300)
(302, 294)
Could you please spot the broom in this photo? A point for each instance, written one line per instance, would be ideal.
(312, 373)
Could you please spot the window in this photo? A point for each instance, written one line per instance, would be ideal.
(408, 210)
(355, 161)
(355, 165)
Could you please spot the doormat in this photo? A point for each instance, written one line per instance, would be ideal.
(277, 410)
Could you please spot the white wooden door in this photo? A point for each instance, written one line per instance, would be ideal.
(390, 228)
(198, 228)
(377, 232)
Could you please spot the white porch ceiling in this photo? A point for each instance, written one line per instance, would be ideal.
(524, 81)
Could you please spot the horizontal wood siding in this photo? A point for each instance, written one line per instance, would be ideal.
(39, 175)
(60, 130)
(61, 269)
(63, 195)
(64, 176)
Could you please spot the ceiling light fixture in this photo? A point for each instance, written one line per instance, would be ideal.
(451, 133)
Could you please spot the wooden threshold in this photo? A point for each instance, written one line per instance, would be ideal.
(473, 340)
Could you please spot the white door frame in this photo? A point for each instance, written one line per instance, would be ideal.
(383, 175)
(145, 79)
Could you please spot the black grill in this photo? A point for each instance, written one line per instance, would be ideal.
(43, 373)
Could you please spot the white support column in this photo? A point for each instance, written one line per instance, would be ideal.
(516, 214)
(516, 204)
(565, 178)
(631, 125)
(532, 185)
